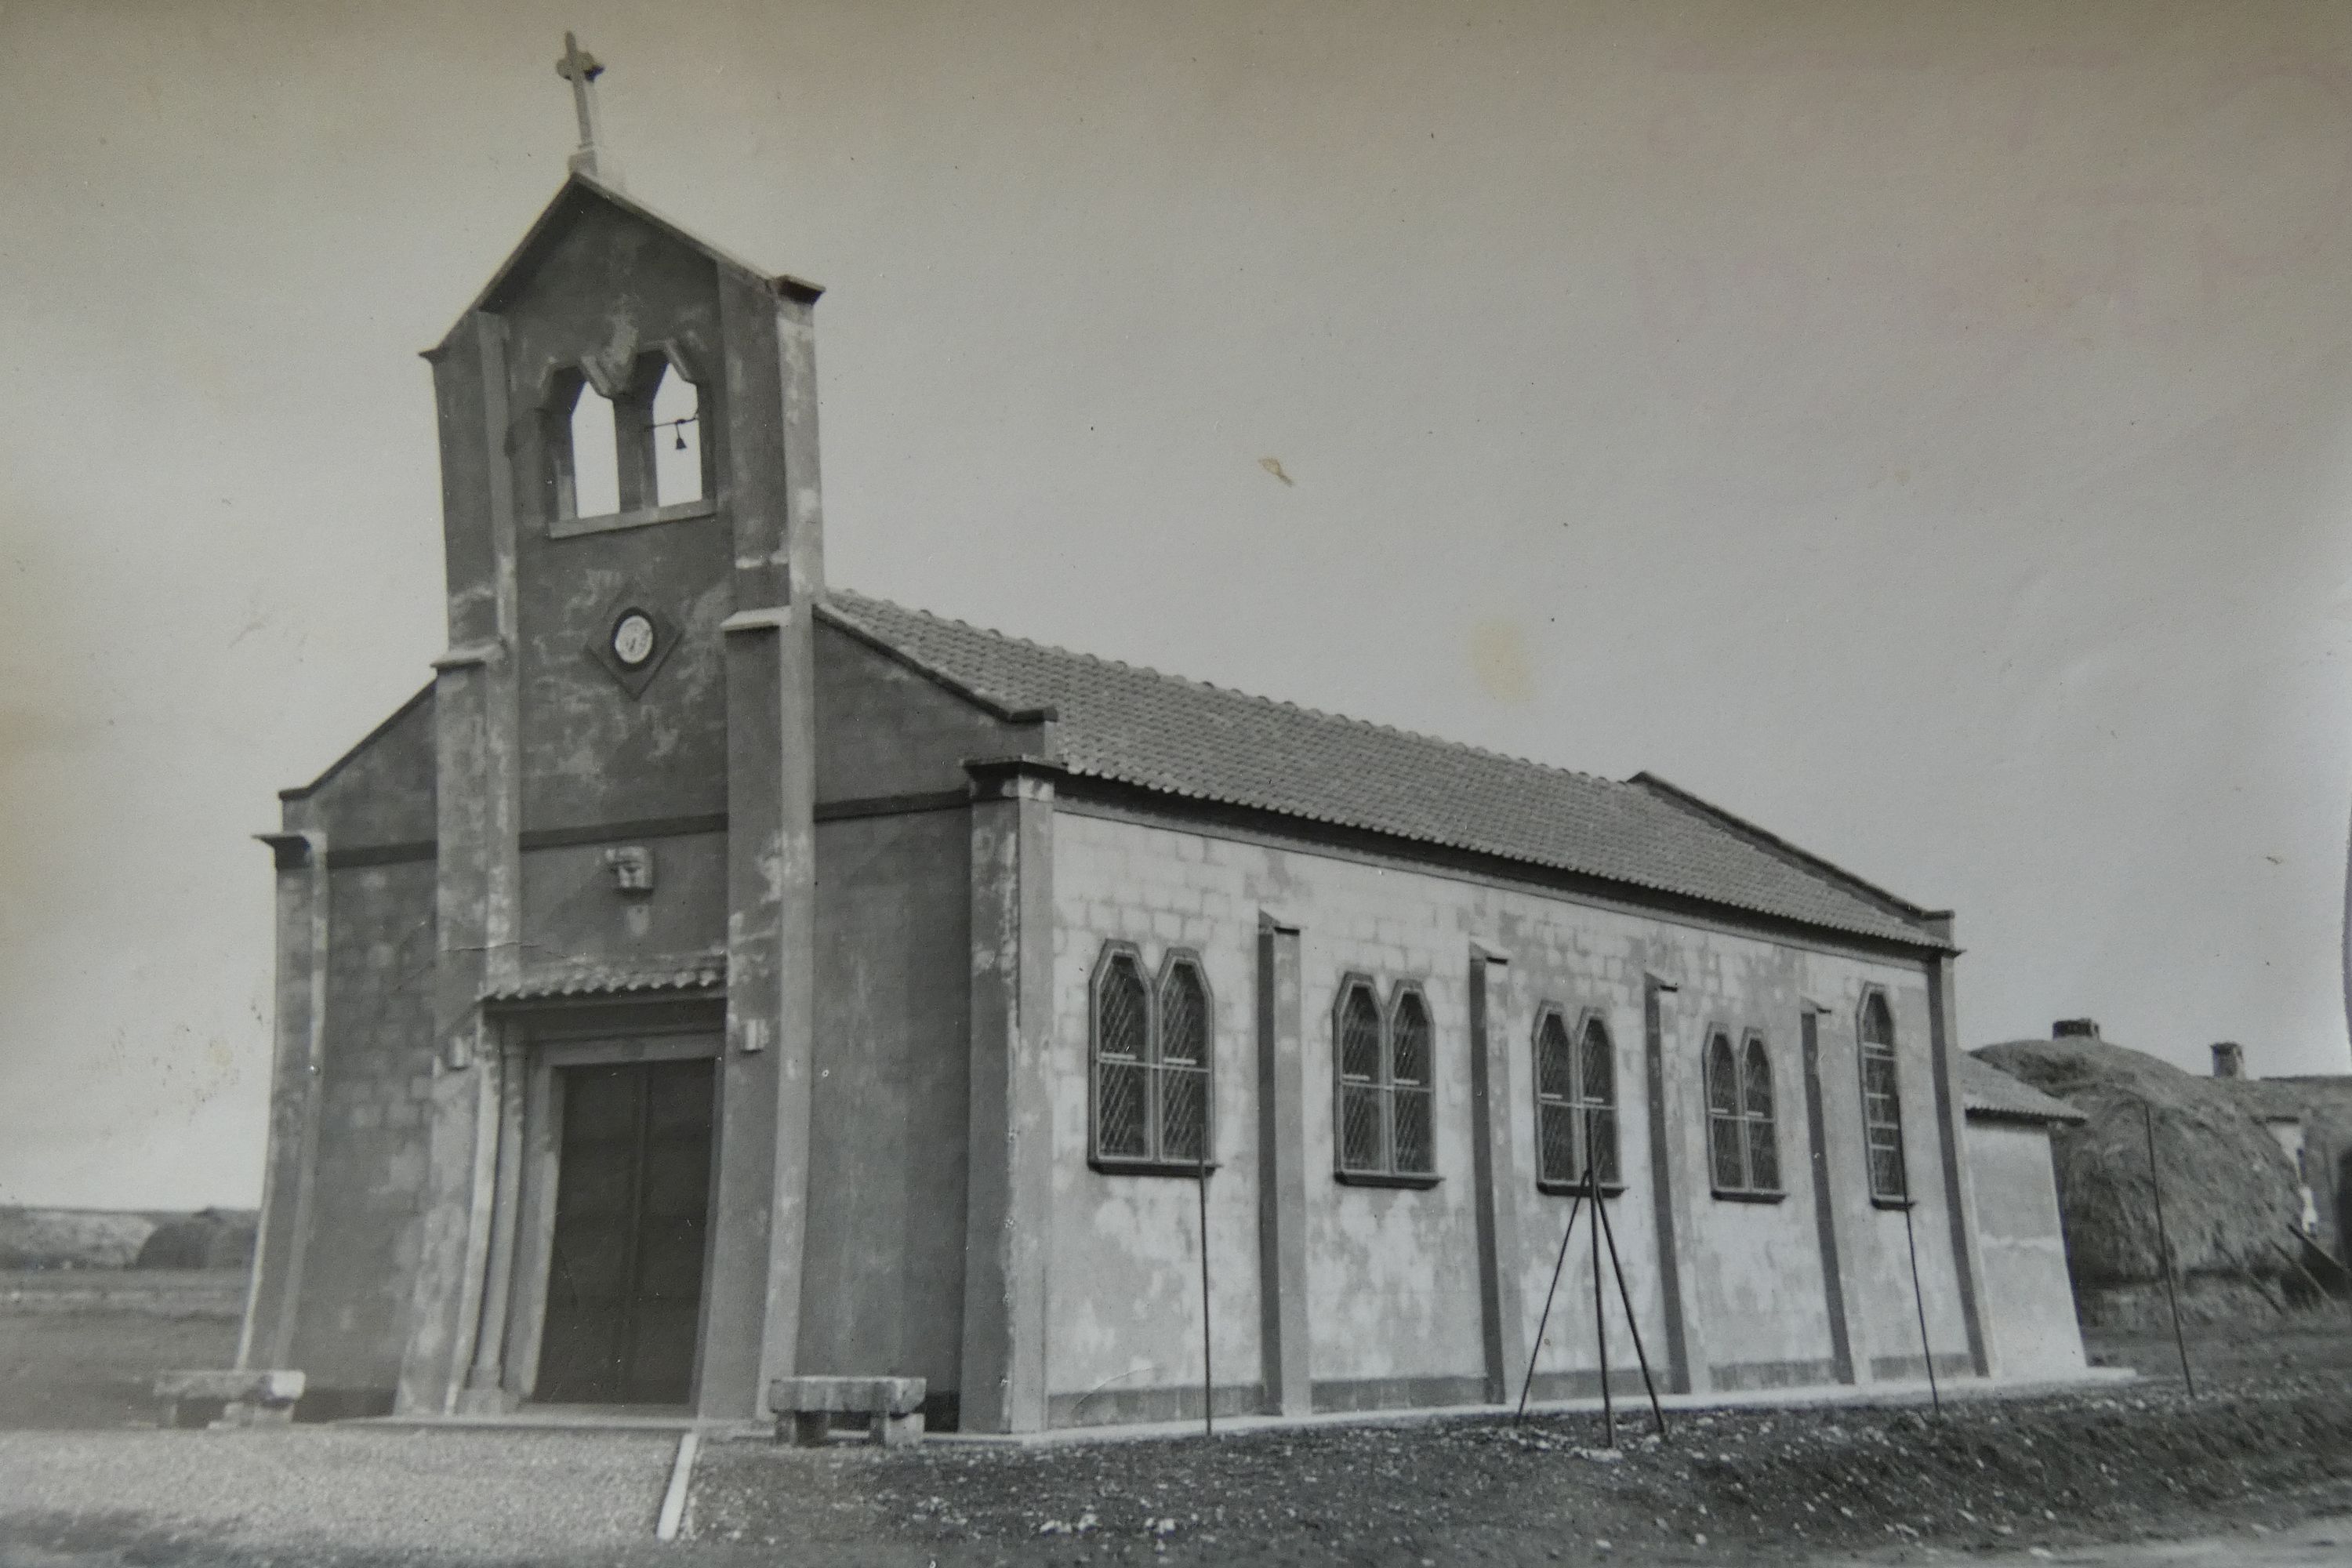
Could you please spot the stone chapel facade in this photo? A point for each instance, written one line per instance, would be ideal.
(711, 977)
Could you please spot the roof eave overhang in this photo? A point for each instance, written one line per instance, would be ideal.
(1077, 779)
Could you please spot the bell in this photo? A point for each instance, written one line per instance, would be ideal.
(680, 428)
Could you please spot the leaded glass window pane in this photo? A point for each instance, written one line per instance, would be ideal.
(1882, 1103)
(1605, 1146)
(1184, 1017)
(1184, 1114)
(1726, 1155)
(1554, 1064)
(1415, 1152)
(1597, 1089)
(1886, 1162)
(1123, 1024)
(1561, 1160)
(1410, 1030)
(1360, 1036)
(1763, 1140)
(1360, 1128)
(1559, 1154)
(1122, 1046)
(1882, 1121)
(1182, 1069)
(1598, 1065)
(1119, 1109)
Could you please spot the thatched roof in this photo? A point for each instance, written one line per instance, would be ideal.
(2230, 1198)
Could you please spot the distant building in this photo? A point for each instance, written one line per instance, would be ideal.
(2311, 1117)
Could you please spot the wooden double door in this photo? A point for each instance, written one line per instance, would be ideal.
(631, 1216)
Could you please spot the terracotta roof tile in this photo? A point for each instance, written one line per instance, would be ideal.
(1987, 1092)
(1184, 738)
(704, 972)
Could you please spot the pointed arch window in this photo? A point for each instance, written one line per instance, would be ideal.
(1742, 1135)
(1576, 1088)
(1384, 1062)
(1153, 1056)
(675, 410)
(1882, 1102)
(1182, 1069)
(588, 459)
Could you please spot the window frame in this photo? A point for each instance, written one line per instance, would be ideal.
(1577, 1101)
(1740, 1045)
(1891, 1050)
(1153, 1161)
(1385, 1085)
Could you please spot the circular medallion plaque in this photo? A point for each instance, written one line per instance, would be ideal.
(632, 639)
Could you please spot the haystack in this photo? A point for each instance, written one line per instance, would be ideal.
(71, 1238)
(208, 1238)
(2229, 1196)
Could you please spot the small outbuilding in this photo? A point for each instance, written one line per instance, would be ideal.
(2029, 1296)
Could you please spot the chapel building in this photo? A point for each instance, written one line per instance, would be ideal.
(713, 977)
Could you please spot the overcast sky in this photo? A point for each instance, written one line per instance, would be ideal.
(1921, 429)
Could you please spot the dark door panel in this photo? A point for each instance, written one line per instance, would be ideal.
(632, 1205)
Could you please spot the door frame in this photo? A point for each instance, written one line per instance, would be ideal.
(533, 1043)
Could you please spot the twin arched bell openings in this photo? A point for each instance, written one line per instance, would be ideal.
(1153, 1056)
(628, 447)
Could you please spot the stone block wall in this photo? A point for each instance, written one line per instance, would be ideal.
(1394, 1311)
(376, 1083)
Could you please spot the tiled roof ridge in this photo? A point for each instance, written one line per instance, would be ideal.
(1420, 736)
(1764, 837)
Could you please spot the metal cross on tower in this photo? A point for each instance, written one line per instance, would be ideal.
(581, 68)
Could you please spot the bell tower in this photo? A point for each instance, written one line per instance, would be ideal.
(624, 715)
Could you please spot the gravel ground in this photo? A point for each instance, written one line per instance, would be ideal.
(337, 1497)
(65, 1370)
(1755, 1485)
(2266, 1445)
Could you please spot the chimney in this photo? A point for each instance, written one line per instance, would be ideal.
(2074, 1029)
(2229, 1060)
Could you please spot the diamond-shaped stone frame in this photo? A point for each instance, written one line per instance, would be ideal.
(600, 646)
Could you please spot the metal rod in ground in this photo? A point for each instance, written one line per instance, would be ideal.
(2300, 1267)
(1918, 1297)
(2164, 1248)
(1600, 1317)
(1919, 1300)
(1208, 1382)
(1609, 1234)
(1544, 1321)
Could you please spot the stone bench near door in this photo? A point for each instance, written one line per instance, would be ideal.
(212, 1397)
(892, 1406)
